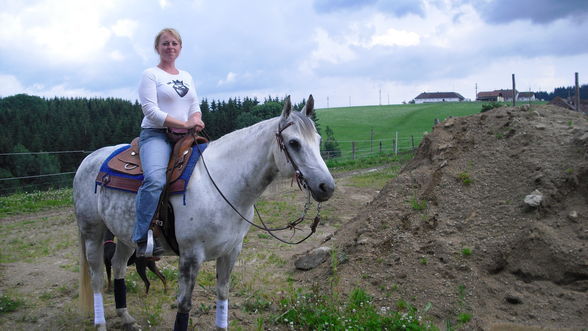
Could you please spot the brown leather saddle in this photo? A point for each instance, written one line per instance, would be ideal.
(128, 162)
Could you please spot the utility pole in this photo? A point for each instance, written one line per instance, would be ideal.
(327, 102)
(577, 94)
(380, 97)
(476, 95)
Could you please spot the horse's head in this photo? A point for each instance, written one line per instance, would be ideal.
(300, 143)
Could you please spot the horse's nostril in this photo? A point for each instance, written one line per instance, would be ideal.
(323, 187)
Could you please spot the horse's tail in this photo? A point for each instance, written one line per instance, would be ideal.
(86, 298)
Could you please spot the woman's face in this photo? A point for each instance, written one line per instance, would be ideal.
(168, 48)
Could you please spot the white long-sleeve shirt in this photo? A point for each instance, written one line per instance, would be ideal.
(162, 94)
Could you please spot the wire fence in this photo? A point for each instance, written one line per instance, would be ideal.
(358, 149)
(348, 150)
(27, 177)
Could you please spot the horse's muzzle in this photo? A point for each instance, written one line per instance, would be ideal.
(323, 190)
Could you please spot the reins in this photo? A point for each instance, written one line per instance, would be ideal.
(301, 184)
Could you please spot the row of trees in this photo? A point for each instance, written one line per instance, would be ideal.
(34, 124)
(562, 92)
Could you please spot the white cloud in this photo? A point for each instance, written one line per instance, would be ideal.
(9, 85)
(65, 31)
(116, 56)
(125, 28)
(327, 50)
(393, 37)
(231, 77)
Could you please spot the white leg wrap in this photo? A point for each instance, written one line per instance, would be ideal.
(98, 309)
(222, 313)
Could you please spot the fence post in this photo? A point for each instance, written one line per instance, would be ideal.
(514, 91)
(577, 101)
(353, 150)
(372, 141)
(412, 140)
(396, 144)
(380, 147)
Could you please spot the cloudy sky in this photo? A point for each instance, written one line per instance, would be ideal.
(344, 52)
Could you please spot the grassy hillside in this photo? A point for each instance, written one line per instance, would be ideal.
(410, 121)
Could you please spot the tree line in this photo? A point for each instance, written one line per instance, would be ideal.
(35, 124)
(562, 92)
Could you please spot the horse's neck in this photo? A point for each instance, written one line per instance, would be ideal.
(243, 161)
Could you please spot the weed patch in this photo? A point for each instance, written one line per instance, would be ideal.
(21, 203)
(8, 304)
(319, 311)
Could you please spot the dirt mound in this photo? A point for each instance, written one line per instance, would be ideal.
(453, 228)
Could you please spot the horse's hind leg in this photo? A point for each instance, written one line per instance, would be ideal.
(119, 264)
(91, 240)
(224, 267)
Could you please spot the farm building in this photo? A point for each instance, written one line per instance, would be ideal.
(438, 97)
(490, 96)
(526, 96)
(505, 96)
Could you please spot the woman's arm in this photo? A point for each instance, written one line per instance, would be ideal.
(195, 121)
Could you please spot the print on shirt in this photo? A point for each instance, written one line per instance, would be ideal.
(179, 86)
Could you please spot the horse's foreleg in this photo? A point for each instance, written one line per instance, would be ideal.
(119, 264)
(189, 266)
(224, 267)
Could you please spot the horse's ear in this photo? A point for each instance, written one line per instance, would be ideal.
(308, 109)
(287, 108)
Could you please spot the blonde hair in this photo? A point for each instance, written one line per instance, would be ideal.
(172, 31)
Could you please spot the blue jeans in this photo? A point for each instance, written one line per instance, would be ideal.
(155, 151)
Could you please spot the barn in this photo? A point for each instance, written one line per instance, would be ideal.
(438, 97)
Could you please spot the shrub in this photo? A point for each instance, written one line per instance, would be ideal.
(489, 106)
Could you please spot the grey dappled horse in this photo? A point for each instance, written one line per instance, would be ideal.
(242, 163)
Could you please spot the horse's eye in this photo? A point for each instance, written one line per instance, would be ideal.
(294, 144)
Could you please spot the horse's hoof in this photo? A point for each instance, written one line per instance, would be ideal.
(101, 327)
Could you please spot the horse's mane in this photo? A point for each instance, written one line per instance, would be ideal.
(306, 126)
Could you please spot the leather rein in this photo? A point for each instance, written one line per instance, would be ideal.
(300, 180)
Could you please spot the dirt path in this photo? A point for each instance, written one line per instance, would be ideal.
(40, 266)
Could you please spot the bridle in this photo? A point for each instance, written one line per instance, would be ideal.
(300, 180)
(297, 173)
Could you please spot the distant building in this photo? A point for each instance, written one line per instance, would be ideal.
(526, 96)
(505, 96)
(490, 96)
(438, 97)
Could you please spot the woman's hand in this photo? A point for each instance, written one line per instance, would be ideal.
(195, 121)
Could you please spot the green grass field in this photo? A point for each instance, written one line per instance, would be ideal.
(410, 121)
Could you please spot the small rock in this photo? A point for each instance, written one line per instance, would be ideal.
(363, 240)
(534, 199)
(573, 216)
(313, 259)
(540, 126)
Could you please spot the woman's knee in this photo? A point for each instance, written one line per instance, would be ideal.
(155, 180)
